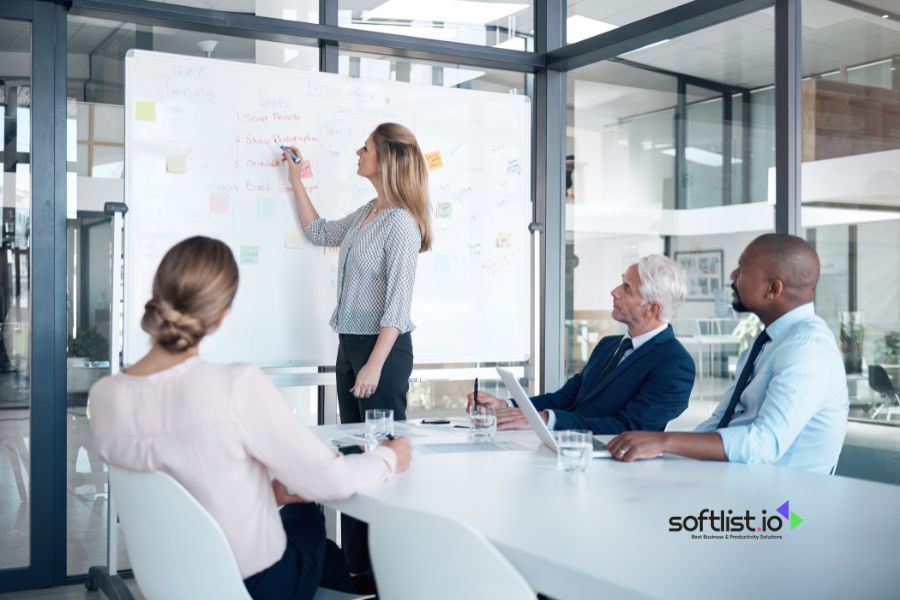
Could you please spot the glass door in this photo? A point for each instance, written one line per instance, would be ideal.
(15, 296)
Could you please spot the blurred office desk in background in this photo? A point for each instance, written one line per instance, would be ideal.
(605, 533)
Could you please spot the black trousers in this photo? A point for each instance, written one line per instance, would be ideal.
(309, 561)
(353, 352)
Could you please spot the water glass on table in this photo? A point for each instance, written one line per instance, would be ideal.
(574, 450)
(483, 423)
(379, 425)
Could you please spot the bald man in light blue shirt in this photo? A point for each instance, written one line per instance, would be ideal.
(789, 404)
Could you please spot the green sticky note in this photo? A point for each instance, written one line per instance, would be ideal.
(145, 111)
(249, 255)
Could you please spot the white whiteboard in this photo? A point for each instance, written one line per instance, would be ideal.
(201, 159)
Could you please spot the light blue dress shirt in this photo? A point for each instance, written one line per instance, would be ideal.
(793, 413)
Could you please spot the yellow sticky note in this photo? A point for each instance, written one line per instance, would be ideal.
(293, 239)
(176, 163)
(145, 111)
(433, 160)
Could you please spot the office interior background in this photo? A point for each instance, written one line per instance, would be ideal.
(659, 126)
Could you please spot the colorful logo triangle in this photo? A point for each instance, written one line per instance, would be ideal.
(785, 511)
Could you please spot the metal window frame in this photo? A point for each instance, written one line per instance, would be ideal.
(549, 148)
(549, 65)
(788, 116)
(48, 296)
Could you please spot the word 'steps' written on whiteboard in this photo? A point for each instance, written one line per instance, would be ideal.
(202, 158)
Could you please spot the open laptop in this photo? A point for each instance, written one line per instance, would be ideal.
(534, 418)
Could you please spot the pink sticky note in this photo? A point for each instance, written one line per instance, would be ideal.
(306, 170)
(218, 203)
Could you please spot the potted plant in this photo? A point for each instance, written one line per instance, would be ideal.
(88, 356)
(89, 344)
(746, 331)
(852, 334)
(888, 349)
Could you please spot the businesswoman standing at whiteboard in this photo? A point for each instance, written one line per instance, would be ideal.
(380, 242)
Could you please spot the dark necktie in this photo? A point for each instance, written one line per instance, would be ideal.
(624, 346)
(744, 379)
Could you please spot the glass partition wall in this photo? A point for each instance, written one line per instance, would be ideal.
(851, 190)
(15, 297)
(664, 144)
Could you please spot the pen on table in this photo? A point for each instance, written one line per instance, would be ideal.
(475, 396)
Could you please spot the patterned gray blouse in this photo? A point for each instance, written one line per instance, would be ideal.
(376, 268)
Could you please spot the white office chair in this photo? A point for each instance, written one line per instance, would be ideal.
(420, 555)
(177, 549)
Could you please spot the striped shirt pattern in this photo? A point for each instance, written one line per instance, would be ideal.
(376, 268)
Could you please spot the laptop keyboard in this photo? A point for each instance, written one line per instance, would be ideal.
(598, 445)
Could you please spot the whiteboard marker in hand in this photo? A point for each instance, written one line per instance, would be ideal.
(297, 160)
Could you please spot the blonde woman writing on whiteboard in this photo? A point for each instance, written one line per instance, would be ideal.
(228, 436)
(380, 242)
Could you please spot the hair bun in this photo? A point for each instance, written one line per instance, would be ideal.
(170, 328)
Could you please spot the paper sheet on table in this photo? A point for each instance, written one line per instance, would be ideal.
(470, 447)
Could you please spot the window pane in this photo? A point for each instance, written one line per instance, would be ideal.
(506, 24)
(291, 10)
(15, 298)
(109, 123)
(704, 153)
(851, 205)
(587, 18)
(83, 120)
(109, 161)
(369, 66)
(627, 197)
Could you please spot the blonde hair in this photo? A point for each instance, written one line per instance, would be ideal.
(404, 174)
(194, 285)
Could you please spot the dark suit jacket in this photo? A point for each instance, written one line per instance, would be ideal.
(645, 391)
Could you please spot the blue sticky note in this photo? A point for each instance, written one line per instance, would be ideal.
(265, 208)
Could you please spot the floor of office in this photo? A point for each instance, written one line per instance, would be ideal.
(86, 499)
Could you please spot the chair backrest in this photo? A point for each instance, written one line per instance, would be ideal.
(880, 381)
(177, 549)
(421, 555)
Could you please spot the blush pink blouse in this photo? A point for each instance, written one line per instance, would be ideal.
(224, 432)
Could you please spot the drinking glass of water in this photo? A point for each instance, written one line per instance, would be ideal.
(574, 450)
(483, 423)
(379, 424)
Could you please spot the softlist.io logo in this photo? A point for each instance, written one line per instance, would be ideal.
(729, 524)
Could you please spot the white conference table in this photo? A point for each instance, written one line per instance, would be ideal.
(605, 533)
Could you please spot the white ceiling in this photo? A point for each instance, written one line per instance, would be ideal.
(741, 52)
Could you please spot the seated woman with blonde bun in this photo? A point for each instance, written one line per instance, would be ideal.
(228, 436)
